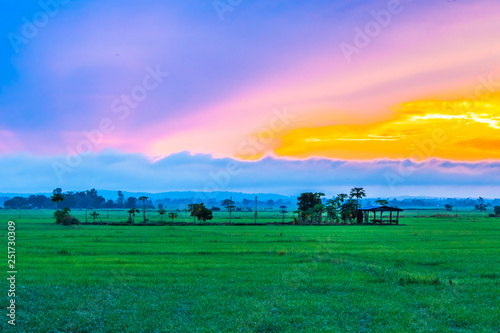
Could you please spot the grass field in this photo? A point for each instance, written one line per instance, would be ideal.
(434, 273)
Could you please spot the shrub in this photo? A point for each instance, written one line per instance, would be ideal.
(69, 220)
(497, 210)
(60, 215)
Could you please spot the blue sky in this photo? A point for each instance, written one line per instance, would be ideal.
(225, 79)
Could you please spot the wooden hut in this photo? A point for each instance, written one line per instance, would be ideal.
(364, 214)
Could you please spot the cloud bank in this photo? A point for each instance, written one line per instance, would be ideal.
(114, 170)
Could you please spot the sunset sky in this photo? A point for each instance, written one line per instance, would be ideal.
(399, 97)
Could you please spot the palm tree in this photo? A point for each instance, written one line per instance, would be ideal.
(131, 212)
(283, 211)
(172, 216)
(358, 193)
(342, 197)
(143, 199)
(56, 197)
(162, 212)
(94, 215)
(229, 204)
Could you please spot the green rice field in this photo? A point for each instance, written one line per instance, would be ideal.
(435, 272)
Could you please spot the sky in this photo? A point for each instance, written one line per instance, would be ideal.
(398, 97)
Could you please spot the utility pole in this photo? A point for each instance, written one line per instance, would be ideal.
(255, 210)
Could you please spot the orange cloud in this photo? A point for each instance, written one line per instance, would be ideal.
(466, 130)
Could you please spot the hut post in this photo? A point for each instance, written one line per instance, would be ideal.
(390, 217)
(397, 217)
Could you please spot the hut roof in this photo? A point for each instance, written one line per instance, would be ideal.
(380, 209)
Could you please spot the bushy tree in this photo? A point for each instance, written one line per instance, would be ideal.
(69, 220)
(480, 207)
(497, 210)
(16, 202)
(200, 212)
(317, 212)
(131, 202)
(448, 207)
(306, 204)
(348, 210)
(332, 209)
(382, 202)
(60, 215)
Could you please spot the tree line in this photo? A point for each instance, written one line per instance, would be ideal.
(83, 199)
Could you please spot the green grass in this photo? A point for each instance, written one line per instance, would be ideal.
(437, 274)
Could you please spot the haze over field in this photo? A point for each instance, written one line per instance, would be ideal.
(261, 96)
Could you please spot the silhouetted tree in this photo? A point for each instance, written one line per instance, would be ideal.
(60, 215)
(229, 204)
(143, 199)
(121, 199)
(317, 212)
(131, 202)
(283, 211)
(382, 202)
(358, 193)
(348, 210)
(342, 197)
(94, 215)
(306, 203)
(16, 202)
(162, 212)
(56, 197)
(480, 207)
(332, 209)
(200, 212)
(448, 207)
(172, 216)
(131, 212)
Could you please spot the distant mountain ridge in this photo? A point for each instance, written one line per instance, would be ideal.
(237, 196)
